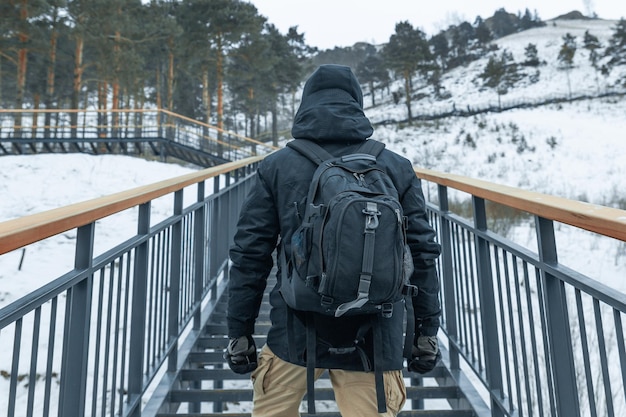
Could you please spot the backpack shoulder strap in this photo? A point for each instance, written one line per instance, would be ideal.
(372, 147)
(311, 150)
(317, 154)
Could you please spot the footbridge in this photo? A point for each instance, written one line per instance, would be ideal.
(137, 328)
(158, 134)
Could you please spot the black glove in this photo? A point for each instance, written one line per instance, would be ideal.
(425, 354)
(241, 354)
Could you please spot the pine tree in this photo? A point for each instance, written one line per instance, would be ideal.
(532, 55)
(407, 52)
(566, 57)
(500, 73)
(616, 50)
(483, 33)
(371, 71)
(441, 48)
(503, 23)
(291, 58)
(462, 35)
(18, 36)
(592, 44)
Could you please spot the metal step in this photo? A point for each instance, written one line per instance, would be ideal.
(405, 413)
(207, 379)
(321, 394)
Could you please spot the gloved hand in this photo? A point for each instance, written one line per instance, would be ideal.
(425, 354)
(241, 354)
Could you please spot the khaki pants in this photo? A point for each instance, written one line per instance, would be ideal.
(279, 387)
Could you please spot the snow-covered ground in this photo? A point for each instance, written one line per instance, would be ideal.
(32, 184)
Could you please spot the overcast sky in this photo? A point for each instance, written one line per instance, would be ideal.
(330, 23)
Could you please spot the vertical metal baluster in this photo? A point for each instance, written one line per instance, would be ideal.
(585, 350)
(505, 338)
(619, 335)
(610, 409)
(174, 290)
(32, 377)
(558, 324)
(17, 341)
(488, 309)
(96, 362)
(521, 335)
(76, 337)
(51, 340)
(533, 342)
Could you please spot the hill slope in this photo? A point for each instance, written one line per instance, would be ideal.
(574, 150)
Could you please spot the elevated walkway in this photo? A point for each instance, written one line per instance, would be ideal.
(157, 134)
(159, 148)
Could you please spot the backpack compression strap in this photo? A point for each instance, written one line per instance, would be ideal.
(367, 266)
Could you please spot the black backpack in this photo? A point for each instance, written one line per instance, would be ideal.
(349, 255)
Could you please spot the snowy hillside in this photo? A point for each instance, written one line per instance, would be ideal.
(573, 150)
(465, 87)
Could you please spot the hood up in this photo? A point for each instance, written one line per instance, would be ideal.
(332, 107)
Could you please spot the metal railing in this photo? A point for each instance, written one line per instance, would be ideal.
(34, 131)
(541, 339)
(531, 336)
(91, 341)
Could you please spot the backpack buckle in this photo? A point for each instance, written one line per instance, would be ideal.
(371, 216)
(341, 351)
(326, 300)
(386, 310)
(410, 290)
(311, 281)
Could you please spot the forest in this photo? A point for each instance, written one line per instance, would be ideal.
(210, 60)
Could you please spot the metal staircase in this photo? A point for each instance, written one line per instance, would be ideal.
(207, 387)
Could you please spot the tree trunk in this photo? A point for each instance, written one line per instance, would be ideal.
(50, 81)
(170, 89)
(372, 93)
(78, 71)
(220, 96)
(22, 59)
(170, 77)
(274, 124)
(206, 98)
(0, 79)
(206, 102)
(220, 84)
(102, 106)
(115, 85)
(407, 87)
(36, 102)
(115, 105)
(159, 103)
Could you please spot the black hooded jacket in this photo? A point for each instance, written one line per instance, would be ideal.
(331, 114)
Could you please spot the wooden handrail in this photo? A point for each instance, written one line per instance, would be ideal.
(23, 231)
(606, 221)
